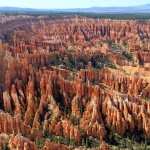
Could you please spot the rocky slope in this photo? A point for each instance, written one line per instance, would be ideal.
(66, 87)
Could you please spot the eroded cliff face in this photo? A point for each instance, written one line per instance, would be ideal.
(61, 87)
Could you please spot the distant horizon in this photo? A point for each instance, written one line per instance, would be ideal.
(67, 4)
(72, 7)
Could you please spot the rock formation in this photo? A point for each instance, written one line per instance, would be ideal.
(69, 82)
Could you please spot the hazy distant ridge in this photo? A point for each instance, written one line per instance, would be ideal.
(133, 9)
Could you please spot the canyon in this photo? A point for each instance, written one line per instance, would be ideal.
(73, 83)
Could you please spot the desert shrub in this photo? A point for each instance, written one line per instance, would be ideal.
(127, 55)
(128, 141)
(40, 143)
(90, 142)
(60, 139)
(111, 65)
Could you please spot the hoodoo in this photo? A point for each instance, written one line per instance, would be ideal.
(74, 85)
